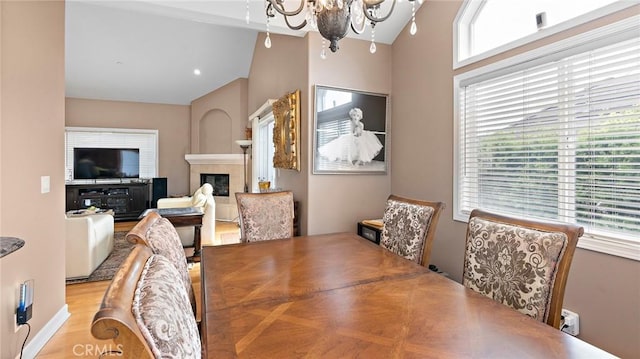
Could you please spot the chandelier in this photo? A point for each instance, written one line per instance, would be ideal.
(332, 18)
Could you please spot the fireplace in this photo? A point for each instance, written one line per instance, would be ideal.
(219, 182)
(231, 166)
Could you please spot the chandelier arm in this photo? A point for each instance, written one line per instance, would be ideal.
(377, 19)
(297, 27)
(357, 31)
(278, 5)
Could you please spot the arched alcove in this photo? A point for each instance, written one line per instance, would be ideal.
(215, 132)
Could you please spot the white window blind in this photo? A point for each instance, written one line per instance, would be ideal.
(333, 129)
(144, 140)
(556, 139)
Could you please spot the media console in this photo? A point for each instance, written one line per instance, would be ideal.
(127, 200)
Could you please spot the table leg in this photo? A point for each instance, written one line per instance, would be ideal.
(196, 243)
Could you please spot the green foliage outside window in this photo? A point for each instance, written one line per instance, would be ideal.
(597, 179)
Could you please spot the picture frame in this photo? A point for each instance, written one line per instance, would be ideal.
(350, 131)
(286, 131)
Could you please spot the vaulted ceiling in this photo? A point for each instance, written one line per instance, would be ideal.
(147, 51)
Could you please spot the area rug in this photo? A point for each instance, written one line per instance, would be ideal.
(108, 268)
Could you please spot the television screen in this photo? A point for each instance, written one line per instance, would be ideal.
(95, 163)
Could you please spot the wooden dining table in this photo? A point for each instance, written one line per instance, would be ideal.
(342, 296)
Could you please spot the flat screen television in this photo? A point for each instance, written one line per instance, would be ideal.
(105, 163)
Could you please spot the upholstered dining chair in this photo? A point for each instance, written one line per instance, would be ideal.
(145, 310)
(523, 264)
(409, 227)
(161, 236)
(265, 216)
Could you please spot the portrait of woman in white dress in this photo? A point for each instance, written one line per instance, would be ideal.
(357, 147)
(350, 132)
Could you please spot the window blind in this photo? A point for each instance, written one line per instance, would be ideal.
(558, 140)
(144, 140)
(333, 129)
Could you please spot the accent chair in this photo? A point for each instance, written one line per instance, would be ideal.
(161, 236)
(523, 264)
(265, 216)
(202, 198)
(146, 310)
(409, 227)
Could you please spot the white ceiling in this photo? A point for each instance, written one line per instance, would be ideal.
(146, 51)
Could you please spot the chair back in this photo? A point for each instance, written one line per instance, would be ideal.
(523, 264)
(161, 236)
(409, 227)
(265, 216)
(145, 310)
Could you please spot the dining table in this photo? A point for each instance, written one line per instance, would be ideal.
(342, 296)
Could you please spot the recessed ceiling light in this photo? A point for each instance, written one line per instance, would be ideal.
(196, 72)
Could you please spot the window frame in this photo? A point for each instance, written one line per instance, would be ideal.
(470, 9)
(259, 152)
(602, 36)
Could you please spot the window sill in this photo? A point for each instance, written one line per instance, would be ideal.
(612, 246)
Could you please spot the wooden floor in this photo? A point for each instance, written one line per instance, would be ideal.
(73, 339)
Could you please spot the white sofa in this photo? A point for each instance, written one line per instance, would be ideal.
(202, 198)
(89, 241)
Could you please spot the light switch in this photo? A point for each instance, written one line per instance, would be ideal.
(45, 184)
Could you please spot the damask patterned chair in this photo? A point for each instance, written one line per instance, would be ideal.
(265, 216)
(409, 227)
(146, 310)
(523, 264)
(161, 236)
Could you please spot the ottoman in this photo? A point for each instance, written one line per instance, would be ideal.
(89, 241)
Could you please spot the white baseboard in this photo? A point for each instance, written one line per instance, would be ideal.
(46, 333)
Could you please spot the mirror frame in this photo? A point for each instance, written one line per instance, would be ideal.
(286, 131)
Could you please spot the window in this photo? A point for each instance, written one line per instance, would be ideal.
(332, 99)
(263, 151)
(554, 134)
(485, 28)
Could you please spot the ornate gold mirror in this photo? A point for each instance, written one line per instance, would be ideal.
(286, 132)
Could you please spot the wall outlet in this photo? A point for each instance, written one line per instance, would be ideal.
(16, 326)
(570, 322)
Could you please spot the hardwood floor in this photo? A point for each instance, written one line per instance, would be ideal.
(74, 338)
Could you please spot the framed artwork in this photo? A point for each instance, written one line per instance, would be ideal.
(286, 132)
(350, 132)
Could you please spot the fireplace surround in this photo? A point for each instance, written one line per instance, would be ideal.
(229, 164)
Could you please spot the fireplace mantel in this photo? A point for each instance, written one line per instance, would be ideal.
(215, 159)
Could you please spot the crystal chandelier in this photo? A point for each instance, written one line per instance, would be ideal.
(332, 18)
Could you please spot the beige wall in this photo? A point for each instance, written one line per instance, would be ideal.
(171, 121)
(32, 123)
(275, 72)
(219, 118)
(416, 72)
(295, 63)
(604, 290)
(338, 202)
